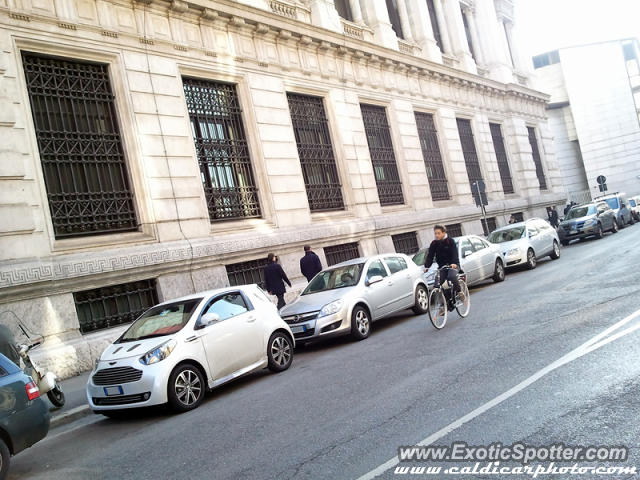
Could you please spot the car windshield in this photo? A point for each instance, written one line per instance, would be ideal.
(612, 202)
(500, 236)
(578, 212)
(340, 277)
(161, 320)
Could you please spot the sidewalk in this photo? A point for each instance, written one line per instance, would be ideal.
(75, 405)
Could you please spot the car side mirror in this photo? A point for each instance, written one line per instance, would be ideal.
(466, 253)
(374, 279)
(208, 319)
(532, 234)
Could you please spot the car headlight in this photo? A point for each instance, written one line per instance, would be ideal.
(513, 251)
(159, 353)
(97, 362)
(590, 222)
(331, 308)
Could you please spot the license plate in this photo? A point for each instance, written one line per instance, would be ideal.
(110, 391)
(573, 232)
(299, 329)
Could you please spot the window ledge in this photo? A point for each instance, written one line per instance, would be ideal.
(230, 226)
(395, 208)
(331, 215)
(100, 241)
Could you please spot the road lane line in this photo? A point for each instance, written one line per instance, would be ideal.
(590, 345)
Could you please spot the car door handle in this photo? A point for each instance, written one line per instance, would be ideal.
(251, 319)
(390, 283)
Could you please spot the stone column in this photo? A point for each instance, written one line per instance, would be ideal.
(459, 44)
(475, 39)
(376, 17)
(444, 29)
(492, 34)
(422, 31)
(356, 11)
(325, 15)
(404, 21)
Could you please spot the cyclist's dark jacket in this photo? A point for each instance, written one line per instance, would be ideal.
(445, 252)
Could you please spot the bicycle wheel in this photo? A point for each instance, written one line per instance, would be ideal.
(463, 306)
(437, 308)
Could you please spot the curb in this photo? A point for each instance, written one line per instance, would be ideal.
(69, 416)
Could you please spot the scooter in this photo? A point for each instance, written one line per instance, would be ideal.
(47, 382)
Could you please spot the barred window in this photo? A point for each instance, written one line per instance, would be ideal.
(432, 157)
(222, 149)
(469, 150)
(107, 307)
(247, 273)
(341, 253)
(454, 230)
(490, 226)
(518, 216)
(533, 140)
(81, 151)
(501, 157)
(383, 158)
(315, 150)
(406, 243)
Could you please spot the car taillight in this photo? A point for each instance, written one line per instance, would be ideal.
(32, 390)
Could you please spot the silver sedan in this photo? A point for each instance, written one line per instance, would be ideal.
(344, 299)
(479, 260)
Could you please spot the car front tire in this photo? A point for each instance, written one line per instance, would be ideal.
(360, 323)
(186, 388)
(599, 232)
(421, 304)
(5, 458)
(498, 271)
(279, 352)
(555, 253)
(614, 228)
(532, 261)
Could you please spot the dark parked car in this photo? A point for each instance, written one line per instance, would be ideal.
(590, 220)
(24, 416)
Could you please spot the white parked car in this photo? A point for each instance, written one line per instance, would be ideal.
(525, 242)
(174, 352)
(479, 260)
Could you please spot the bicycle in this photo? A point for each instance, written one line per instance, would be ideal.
(441, 301)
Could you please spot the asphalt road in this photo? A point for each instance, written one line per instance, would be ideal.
(343, 408)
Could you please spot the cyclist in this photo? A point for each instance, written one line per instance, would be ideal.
(445, 252)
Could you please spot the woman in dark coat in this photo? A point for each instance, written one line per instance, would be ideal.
(275, 278)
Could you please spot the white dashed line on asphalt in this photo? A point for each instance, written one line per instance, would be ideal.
(590, 345)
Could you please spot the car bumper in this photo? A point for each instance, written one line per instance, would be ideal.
(321, 327)
(577, 233)
(149, 390)
(515, 259)
(29, 425)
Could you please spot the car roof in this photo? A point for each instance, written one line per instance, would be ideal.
(356, 261)
(205, 294)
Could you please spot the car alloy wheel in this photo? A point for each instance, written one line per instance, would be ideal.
(281, 351)
(555, 254)
(422, 300)
(188, 387)
(614, 229)
(499, 273)
(360, 323)
(531, 259)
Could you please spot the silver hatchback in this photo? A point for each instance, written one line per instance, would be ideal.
(344, 299)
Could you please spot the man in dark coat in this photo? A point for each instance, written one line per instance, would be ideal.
(310, 264)
(275, 278)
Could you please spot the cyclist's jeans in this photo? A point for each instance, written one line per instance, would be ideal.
(451, 274)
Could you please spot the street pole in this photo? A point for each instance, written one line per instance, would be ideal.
(484, 212)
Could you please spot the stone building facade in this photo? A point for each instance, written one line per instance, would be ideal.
(594, 115)
(154, 148)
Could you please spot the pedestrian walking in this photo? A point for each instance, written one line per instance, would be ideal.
(552, 213)
(310, 264)
(275, 278)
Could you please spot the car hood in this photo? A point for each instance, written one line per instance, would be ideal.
(506, 246)
(576, 220)
(314, 301)
(137, 348)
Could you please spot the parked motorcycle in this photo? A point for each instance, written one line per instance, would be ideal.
(47, 382)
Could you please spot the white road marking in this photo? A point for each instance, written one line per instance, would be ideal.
(592, 344)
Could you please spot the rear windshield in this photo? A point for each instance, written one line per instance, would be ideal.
(612, 202)
(578, 212)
